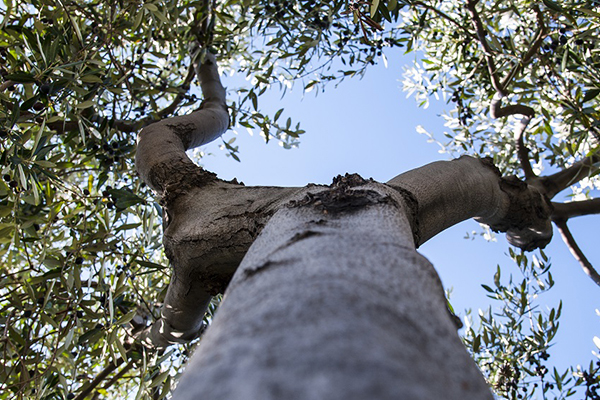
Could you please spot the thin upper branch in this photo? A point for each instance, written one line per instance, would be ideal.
(564, 211)
(576, 251)
(99, 378)
(497, 111)
(539, 39)
(443, 15)
(522, 150)
(126, 126)
(170, 109)
(487, 50)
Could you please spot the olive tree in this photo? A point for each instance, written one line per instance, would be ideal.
(87, 307)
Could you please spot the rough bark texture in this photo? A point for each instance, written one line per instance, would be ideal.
(209, 231)
(333, 302)
(160, 158)
(210, 225)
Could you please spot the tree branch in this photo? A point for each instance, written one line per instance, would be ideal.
(443, 15)
(115, 378)
(497, 111)
(474, 188)
(99, 378)
(556, 183)
(564, 211)
(481, 33)
(576, 251)
(160, 158)
(541, 35)
(170, 109)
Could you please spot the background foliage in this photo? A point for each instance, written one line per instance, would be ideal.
(81, 267)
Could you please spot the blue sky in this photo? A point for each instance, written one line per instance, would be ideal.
(368, 127)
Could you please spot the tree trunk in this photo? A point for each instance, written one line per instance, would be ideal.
(332, 301)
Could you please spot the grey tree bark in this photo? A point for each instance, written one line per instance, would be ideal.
(331, 299)
(333, 302)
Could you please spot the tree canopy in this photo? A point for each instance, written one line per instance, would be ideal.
(82, 271)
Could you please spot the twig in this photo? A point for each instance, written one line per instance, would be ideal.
(541, 35)
(443, 15)
(98, 379)
(115, 378)
(181, 95)
(576, 251)
(564, 211)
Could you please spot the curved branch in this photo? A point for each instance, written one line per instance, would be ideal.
(497, 111)
(160, 158)
(474, 188)
(564, 211)
(576, 251)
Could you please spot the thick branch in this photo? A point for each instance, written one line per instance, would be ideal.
(447, 193)
(576, 251)
(161, 160)
(556, 183)
(564, 211)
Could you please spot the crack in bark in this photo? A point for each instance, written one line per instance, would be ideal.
(252, 271)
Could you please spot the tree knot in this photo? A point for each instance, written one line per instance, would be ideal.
(349, 180)
(527, 222)
(340, 197)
